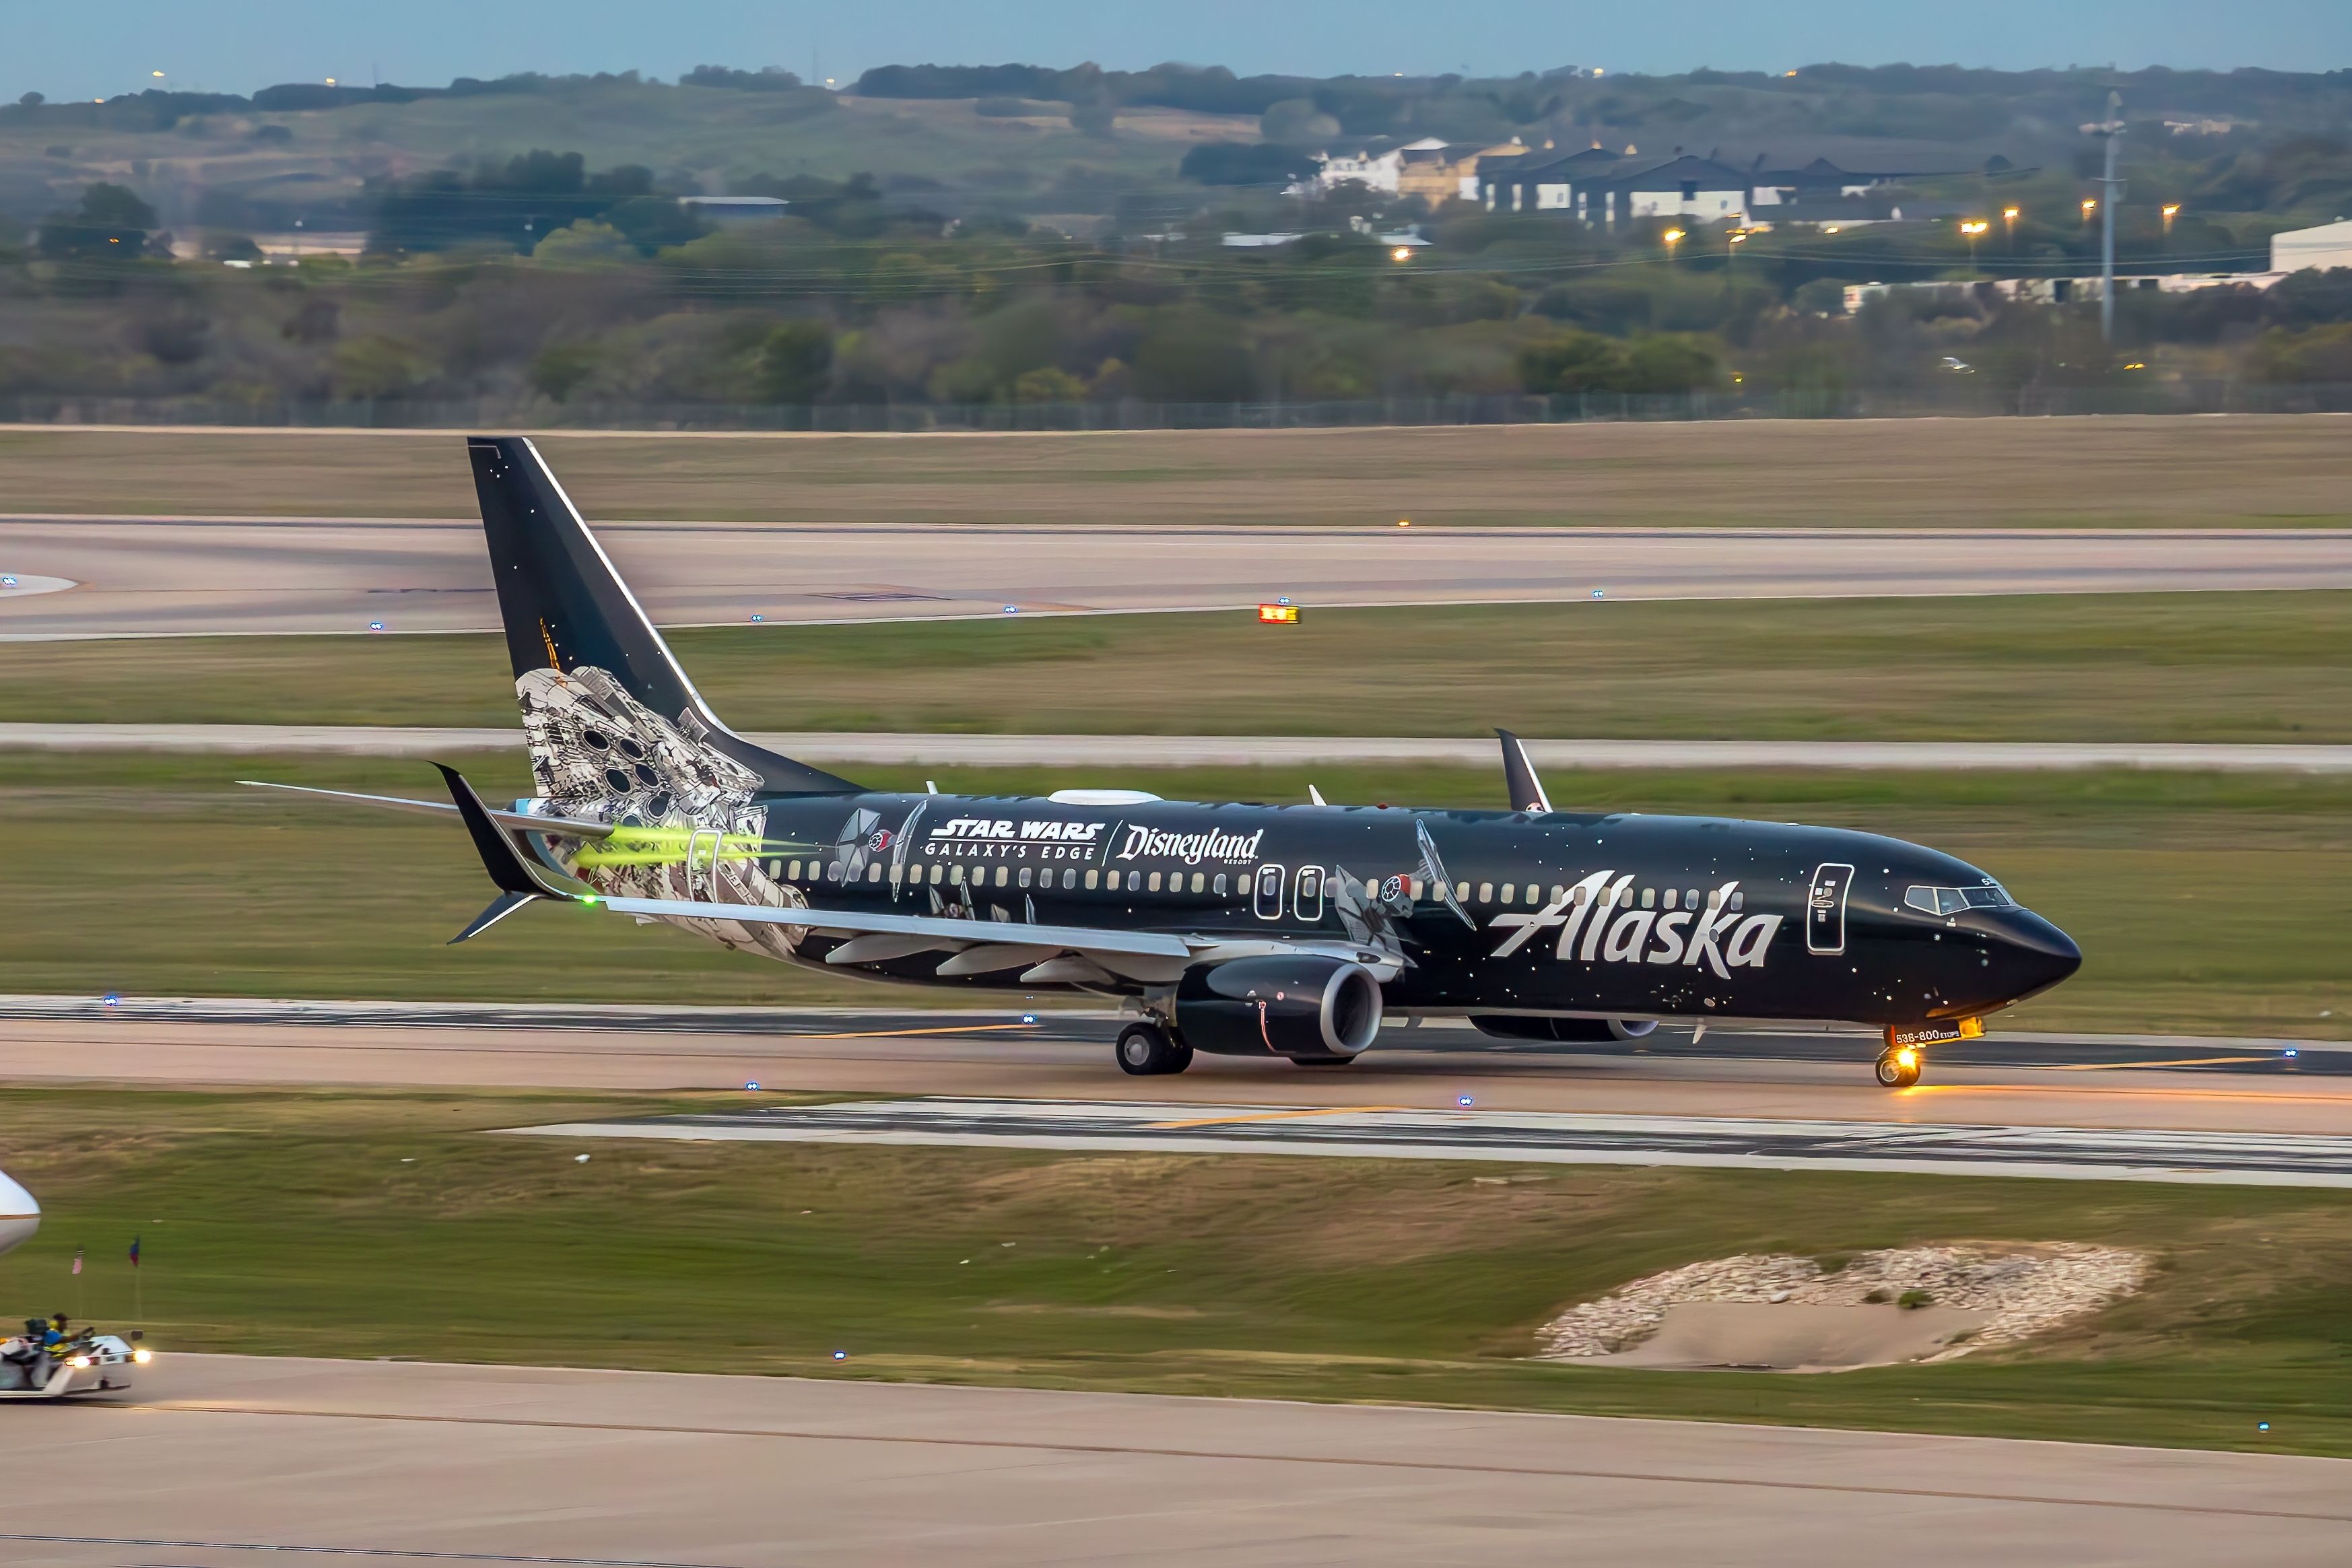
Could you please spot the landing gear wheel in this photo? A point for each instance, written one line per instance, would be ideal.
(1145, 1050)
(1322, 1060)
(1898, 1068)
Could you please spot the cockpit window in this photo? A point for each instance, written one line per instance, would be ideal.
(1952, 900)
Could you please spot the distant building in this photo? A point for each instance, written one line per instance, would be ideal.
(2329, 245)
(734, 209)
(1439, 172)
(1255, 242)
(2057, 290)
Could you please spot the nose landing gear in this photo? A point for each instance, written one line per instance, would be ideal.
(1906, 1048)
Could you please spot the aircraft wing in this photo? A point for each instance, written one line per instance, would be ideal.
(521, 881)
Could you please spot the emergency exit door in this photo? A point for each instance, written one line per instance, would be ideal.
(1825, 909)
(1271, 881)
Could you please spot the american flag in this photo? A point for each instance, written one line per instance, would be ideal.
(77, 1267)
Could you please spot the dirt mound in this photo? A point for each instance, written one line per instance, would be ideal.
(2009, 1293)
(1759, 1337)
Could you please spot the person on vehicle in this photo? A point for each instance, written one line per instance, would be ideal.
(54, 1334)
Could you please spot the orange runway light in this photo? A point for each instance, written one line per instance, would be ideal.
(1278, 614)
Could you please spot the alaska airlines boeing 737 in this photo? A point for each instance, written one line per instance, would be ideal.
(1276, 930)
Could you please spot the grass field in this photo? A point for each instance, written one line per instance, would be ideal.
(2174, 667)
(2204, 903)
(2287, 471)
(394, 1225)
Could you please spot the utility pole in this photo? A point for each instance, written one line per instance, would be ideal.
(2110, 191)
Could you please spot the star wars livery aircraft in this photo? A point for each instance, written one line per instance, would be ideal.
(1284, 931)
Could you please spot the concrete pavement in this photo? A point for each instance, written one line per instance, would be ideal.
(232, 1462)
(180, 576)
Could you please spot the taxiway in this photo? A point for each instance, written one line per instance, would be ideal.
(230, 1462)
(181, 575)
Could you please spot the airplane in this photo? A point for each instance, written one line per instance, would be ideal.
(1275, 931)
(20, 1216)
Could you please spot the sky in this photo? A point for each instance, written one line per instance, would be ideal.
(98, 48)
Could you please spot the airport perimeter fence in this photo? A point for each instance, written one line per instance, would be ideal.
(1947, 401)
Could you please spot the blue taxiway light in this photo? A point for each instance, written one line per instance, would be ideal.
(1466, 1101)
(376, 625)
(841, 1355)
(758, 618)
(754, 1085)
(1012, 610)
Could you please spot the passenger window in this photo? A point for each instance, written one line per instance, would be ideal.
(1462, 894)
(1739, 901)
(1649, 898)
(1583, 894)
(1219, 887)
(795, 873)
(1196, 882)
(938, 869)
(1155, 881)
(1414, 888)
(1094, 877)
(1485, 893)
(1535, 894)
(1024, 876)
(832, 871)
(1690, 898)
(1510, 894)
(874, 871)
(1555, 891)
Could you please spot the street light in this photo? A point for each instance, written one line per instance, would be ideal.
(2090, 208)
(1673, 238)
(2171, 211)
(1401, 253)
(1975, 229)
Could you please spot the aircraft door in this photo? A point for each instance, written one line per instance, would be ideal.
(1271, 880)
(1307, 896)
(1825, 910)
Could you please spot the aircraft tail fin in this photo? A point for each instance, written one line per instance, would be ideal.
(601, 691)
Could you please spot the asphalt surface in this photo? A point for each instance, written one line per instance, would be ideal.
(1226, 750)
(2039, 1079)
(1466, 1133)
(230, 1462)
(166, 576)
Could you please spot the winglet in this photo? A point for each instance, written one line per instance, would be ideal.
(1519, 774)
(518, 882)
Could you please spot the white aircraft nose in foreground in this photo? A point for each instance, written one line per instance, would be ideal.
(19, 1214)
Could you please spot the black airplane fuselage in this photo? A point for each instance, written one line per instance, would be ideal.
(1598, 915)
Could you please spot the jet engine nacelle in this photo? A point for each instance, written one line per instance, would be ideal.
(1302, 1006)
(1587, 1031)
(19, 1214)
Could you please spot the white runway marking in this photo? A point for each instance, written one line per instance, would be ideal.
(1538, 1137)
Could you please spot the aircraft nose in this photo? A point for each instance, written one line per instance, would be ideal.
(2034, 954)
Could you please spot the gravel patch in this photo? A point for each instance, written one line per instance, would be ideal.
(2028, 1290)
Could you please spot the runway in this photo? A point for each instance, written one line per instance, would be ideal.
(1466, 1133)
(2029, 1080)
(179, 575)
(851, 748)
(227, 1462)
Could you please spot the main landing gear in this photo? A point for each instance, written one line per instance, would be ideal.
(1898, 1066)
(1147, 1049)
